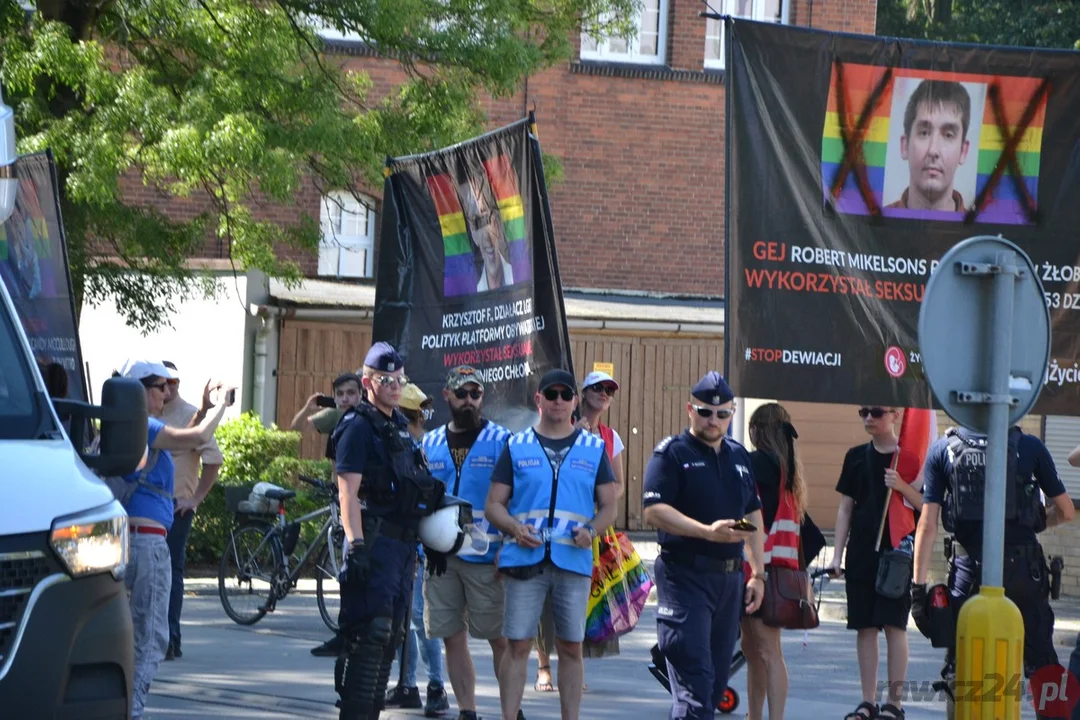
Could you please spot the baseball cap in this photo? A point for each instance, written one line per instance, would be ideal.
(557, 377)
(712, 389)
(596, 377)
(413, 398)
(463, 375)
(141, 369)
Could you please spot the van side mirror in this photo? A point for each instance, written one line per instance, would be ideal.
(124, 426)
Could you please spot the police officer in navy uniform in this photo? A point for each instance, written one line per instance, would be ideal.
(698, 485)
(385, 490)
(954, 486)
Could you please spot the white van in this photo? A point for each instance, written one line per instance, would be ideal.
(66, 647)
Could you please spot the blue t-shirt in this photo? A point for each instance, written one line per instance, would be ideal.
(1033, 460)
(702, 484)
(143, 502)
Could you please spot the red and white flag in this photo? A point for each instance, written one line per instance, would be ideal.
(917, 430)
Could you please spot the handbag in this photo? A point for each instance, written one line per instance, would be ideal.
(620, 588)
(789, 597)
(895, 567)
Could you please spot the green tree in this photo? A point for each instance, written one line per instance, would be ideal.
(235, 102)
(1023, 23)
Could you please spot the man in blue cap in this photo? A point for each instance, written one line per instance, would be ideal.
(698, 488)
(385, 489)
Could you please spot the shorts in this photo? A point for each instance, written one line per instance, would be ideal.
(867, 609)
(466, 593)
(524, 603)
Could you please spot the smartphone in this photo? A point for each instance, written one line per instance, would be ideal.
(230, 397)
(745, 526)
(324, 401)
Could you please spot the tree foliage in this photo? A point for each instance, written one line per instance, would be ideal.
(235, 103)
(1023, 23)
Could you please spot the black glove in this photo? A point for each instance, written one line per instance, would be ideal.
(436, 562)
(357, 563)
(919, 609)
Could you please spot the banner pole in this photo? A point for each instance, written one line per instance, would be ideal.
(728, 34)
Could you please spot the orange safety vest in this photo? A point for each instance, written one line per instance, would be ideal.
(782, 544)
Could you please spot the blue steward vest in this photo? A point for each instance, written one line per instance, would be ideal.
(474, 480)
(555, 503)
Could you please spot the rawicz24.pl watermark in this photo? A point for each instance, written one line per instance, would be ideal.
(1052, 690)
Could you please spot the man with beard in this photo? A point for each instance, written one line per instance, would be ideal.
(468, 595)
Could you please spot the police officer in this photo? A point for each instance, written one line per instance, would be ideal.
(954, 485)
(698, 486)
(385, 490)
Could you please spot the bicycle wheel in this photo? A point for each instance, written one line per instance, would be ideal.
(327, 591)
(246, 574)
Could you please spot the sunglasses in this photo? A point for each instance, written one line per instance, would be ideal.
(385, 380)
(160, 386)
(566, 394)
(605, 389)
(705, 412)
(462, 393)
(876, 413)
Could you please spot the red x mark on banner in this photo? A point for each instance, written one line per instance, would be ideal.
(1008, 153)
(854, 159)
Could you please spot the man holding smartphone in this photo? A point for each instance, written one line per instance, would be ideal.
(701, 496)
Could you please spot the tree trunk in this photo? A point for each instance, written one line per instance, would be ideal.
(942, 12)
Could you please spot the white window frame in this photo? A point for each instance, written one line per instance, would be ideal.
(338, 248)
(632, 56)
(728, 7)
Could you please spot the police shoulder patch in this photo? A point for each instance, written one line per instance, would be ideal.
(663, 444)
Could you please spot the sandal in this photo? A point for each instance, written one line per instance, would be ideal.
(857, 715)
(543, 687)
(894, 713)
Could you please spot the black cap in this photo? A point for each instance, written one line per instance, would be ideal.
(557, 377)
(384, 358)
(712, 389)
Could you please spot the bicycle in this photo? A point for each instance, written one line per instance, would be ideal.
(258, 561)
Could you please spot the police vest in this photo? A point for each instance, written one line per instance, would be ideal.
(554, 502)
(404, 486)
(967, 485)
(472, 482)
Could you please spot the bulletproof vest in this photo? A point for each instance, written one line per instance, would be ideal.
(967, 485)
(405, 484)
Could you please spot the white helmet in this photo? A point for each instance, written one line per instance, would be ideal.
(446, 530)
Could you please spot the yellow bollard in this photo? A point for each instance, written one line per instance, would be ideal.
(989, 657)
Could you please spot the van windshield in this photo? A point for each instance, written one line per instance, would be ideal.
(20, 413)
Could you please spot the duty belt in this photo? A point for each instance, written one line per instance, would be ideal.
(1030, 551)
(375, 526)
(703, 563)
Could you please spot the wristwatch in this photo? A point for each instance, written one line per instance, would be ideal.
(591, 529)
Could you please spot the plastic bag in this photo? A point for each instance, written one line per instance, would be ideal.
(620, 588)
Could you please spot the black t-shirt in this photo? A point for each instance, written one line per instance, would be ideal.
(767, 476)
(460, 442)
(557, 450)
(867, 487)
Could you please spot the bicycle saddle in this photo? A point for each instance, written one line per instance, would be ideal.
(277, 493)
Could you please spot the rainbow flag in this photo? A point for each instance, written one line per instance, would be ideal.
(986, 143)
(461, 270)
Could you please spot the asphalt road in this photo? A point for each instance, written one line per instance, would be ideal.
(266, 671)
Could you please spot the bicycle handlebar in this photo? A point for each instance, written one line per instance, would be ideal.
(317, 484)
(824, 571)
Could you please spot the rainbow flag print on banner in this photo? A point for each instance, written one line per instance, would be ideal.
(932, 142)
(461, 248)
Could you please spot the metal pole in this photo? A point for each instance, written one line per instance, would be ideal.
(1000, 349)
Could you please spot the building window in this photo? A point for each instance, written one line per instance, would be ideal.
(763, 10)
(347, 242)
(332, 34)
(646, 47)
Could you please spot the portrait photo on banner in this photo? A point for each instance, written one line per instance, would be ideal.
(932, 144)
(482, 219)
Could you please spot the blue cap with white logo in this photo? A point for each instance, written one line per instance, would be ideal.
(712, 389)
(383, 358)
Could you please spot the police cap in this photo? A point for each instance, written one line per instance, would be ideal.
(712, 389)
(383, 358)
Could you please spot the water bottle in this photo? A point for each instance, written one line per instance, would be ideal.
(907, 546)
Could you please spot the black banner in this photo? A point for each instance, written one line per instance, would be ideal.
(34, 268)
(854, 164)
(467, 272)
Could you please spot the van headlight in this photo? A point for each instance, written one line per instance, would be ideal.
(92, 542)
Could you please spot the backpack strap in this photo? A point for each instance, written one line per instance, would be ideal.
(142, 482)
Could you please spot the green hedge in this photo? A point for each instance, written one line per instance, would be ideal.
(253, 453)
